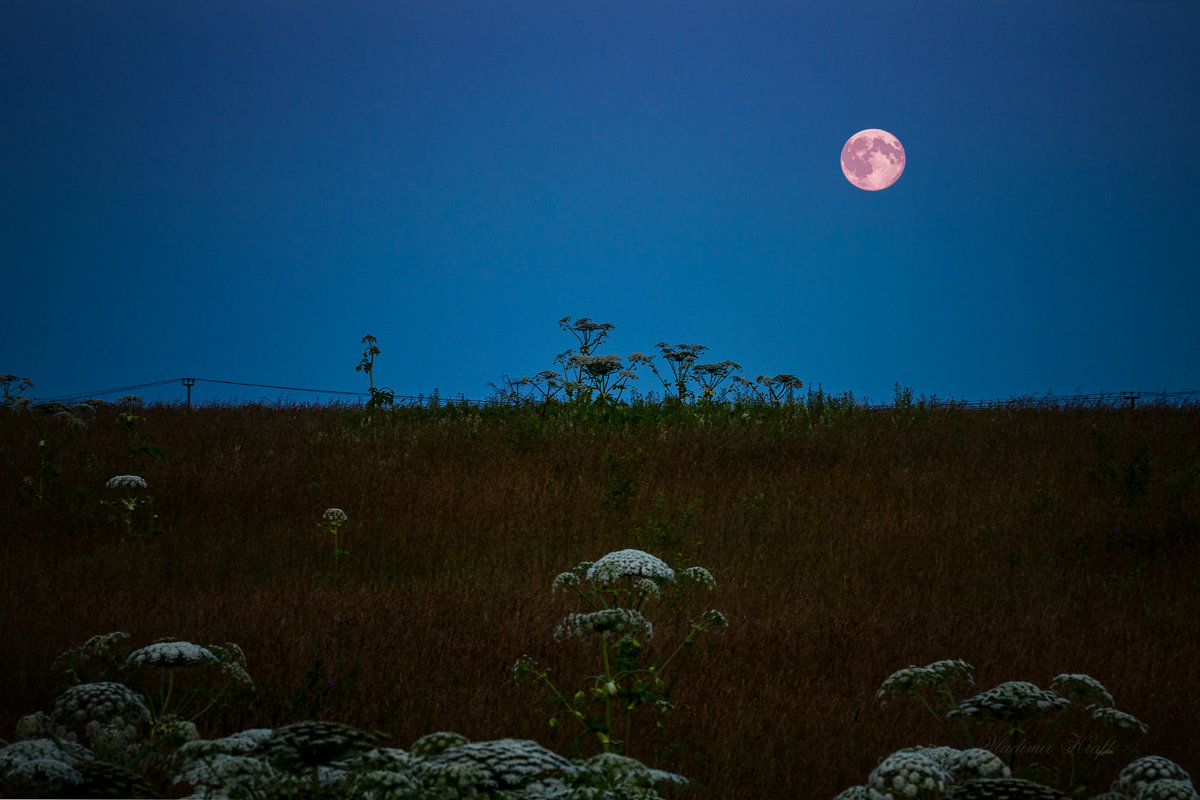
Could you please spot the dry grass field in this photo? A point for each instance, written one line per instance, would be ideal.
(846, 544)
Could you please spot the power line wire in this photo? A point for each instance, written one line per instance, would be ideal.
(1130, 397)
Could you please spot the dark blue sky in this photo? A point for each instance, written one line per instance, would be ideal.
(241, 190)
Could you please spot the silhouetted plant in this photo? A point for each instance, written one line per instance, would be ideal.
(626, 593)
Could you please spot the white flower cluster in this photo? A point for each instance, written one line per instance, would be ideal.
(965, 765)
(714, 619)
(107, 703)
(853, 793)
(45, 774)
(1081, 688)
(564, 581)
(906, 774)
(433, 743)
(1010, 700)
(1146, 770)
(625, 776)
(1120, 720)
(629, 564)
(36, 749)
(264, 762)
(913, 678)
(112, 742)
(700, 576)
(625, 622)
(126, 482)
(335, 516)
(1168, 789)
(171, 654)
(647, 588)
(503, 764)
(312, 743)
(226, 775)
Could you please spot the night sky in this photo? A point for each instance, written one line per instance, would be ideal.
(241, 190)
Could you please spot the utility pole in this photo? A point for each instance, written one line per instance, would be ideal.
(189, 383)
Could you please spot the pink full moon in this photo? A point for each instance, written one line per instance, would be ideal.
(872, 159)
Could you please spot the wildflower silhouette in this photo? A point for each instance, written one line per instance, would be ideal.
(379, 397)
(626, 593)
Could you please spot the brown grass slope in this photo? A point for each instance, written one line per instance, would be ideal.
(845, 547)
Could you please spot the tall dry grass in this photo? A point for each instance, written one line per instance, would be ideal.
(846, 544)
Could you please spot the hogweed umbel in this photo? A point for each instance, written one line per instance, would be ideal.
(626, 593)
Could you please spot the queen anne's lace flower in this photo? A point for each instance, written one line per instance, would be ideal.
(1146, 770)
(171, 654)
(1009, 701)
(111, 742)
(701, 576)
(107, 703)
(126, 482)
(503, 764)
(622, 773)
(564, 581)
(853, 793)
(1081, 688)
(647, 588)
(235, 744)
(45, 774)
(1168, 789)
(944, 757)
(335, 516)
(225, 775)
(432, 744)
(907, 774)
(975, 763)
(314, 743)
(1120, 720)
(914, 678)
(625, 622)
(34, 749)
(34, 726)
(629, 564)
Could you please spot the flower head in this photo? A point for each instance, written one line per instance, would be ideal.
(105, 702)
(629, 563)
(625, 622)
(914, 679)
(1082, 688)
(335, 516)
(564, 581)
(504, 764)
(171, 654)
(853, 793)
(906, 774)
(1168, 789)
(699, 576)
(1144, 771)
(312, 743)
(1009, 701)
(1120, 720)
(975, 763)
(126, 482)
(431, 744)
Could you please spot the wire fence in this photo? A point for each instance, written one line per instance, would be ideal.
(1130, 399)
